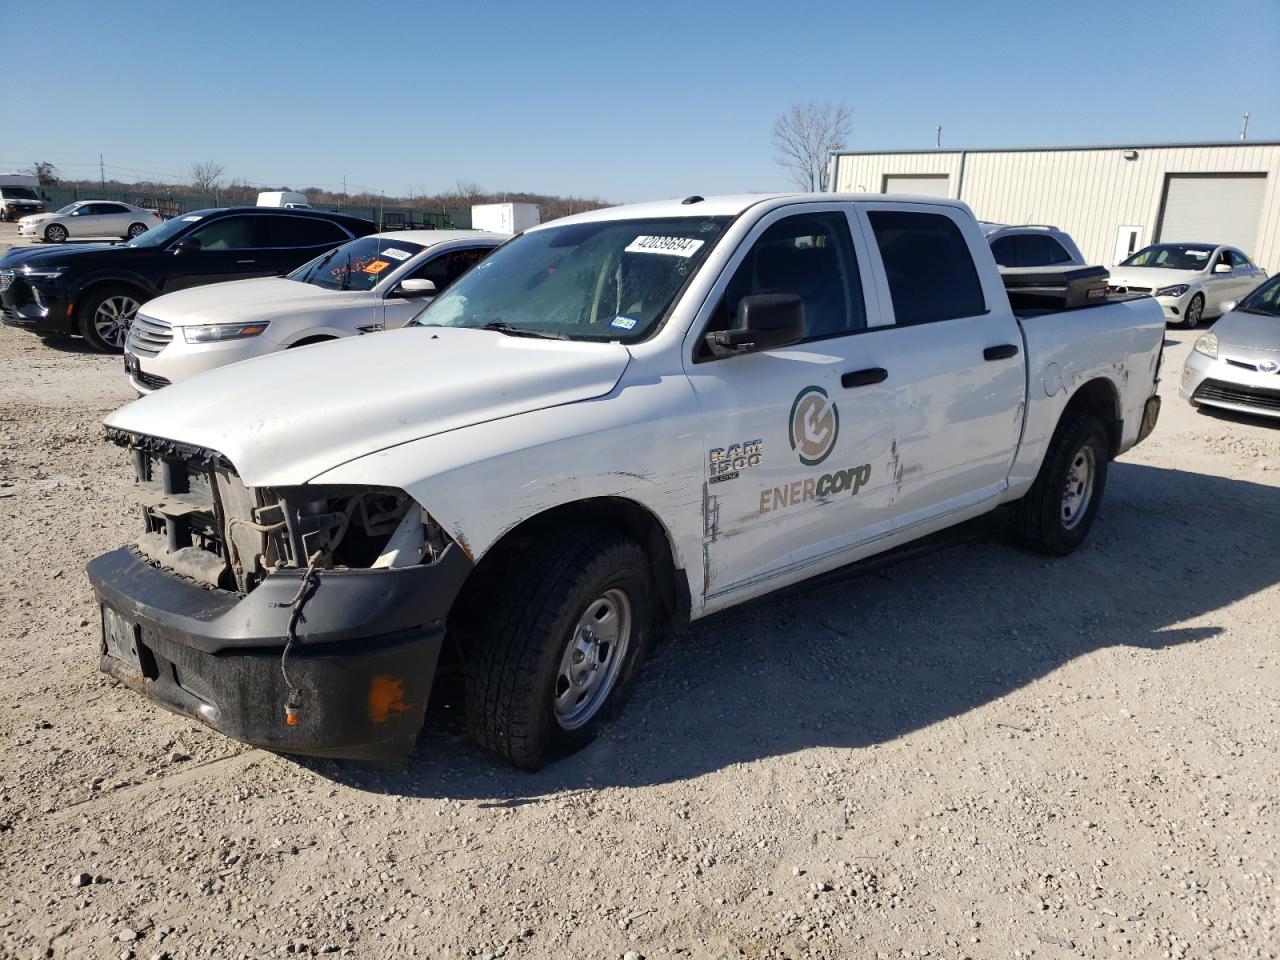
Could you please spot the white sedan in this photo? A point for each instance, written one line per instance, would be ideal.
(377, 282)
(1192, 281)
(90, 218)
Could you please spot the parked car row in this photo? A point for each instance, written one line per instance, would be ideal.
(90, 218)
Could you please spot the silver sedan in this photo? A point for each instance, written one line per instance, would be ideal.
(1236, 365)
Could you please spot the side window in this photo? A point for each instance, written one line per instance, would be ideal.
(111, 208)
(930, 272)
(1238, 259)
(1005, 252)
(300, 232)
(810, 255)
(1037, 250)
(228, 233)
(448, 267)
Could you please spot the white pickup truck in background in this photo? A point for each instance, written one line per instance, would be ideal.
(631, 417)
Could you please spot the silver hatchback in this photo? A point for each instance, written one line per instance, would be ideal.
(1236, 365)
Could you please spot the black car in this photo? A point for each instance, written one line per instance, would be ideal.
(95, 289)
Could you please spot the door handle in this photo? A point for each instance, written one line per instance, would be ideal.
(864, 378)
(246, 261)
(1002, 352)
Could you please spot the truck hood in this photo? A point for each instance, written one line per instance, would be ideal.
(238, 301)
(1153, 277)
(286, 418)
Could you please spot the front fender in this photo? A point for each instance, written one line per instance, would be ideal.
(98, 277)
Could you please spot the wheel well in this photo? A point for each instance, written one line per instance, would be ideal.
(614, 513)
(78, 301)
(309, 340)
(1099, 399)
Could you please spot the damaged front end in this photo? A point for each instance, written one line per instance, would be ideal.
(303, 619)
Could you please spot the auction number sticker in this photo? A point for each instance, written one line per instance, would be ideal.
(669, 246)
(395, 254)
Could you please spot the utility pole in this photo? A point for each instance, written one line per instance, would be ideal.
(1244, 127)
(937, 140)
(344, 191)
(102, 173)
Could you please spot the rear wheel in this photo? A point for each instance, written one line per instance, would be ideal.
(1194, 310)
(554, 645)
(1057, 512)
(136, 230)
(55, 233)
(105, 315)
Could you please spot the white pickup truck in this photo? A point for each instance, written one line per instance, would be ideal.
(617, 422)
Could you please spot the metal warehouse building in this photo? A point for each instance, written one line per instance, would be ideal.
(1111, 199)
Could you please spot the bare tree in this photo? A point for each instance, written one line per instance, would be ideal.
(207, 175)
(804, 137)
(46, 173)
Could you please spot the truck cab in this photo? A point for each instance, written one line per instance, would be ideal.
(617, 421)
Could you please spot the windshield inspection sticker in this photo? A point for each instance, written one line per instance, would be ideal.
(395, 254)
(671, 246)
(623, 323)
(377, 266)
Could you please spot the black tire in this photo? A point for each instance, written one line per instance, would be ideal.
(135, 230)
(1195, 309)
(55, 233)
(104, 336)
(1042, 518)
(521, 631)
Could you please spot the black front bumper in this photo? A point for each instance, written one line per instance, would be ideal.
(365, 657)
(46, 313)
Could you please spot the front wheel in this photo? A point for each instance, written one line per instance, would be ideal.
(105, 317)
(1057, 512)
(555, 644)
(1194, 311)
(55, 233)
(136, 230)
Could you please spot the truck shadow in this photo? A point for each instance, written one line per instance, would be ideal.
(870, 658)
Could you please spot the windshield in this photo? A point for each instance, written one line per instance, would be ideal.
(1172, 256)
(359, 265)
(69, 207)
(1264, 300)
(159, 236)
(18, 193)
(607, 280)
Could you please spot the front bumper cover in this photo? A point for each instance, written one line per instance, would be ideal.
(365, 659)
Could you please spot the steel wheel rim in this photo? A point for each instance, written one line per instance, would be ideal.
(112, 319)
(1193, 313)
(593, 659)
(1078, 490)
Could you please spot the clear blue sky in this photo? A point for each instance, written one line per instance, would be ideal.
(625, 101)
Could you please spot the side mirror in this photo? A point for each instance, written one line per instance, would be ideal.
(1222, 268)
(763, 321)
(187, 245)
(414, 288)
(1229, 305)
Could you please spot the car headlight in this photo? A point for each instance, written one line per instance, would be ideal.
(1177, 290)
(1207, 345)
(43, 273)
(214, 332)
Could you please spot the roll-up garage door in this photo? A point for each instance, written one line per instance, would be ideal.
(1213, 209)
(927, 186)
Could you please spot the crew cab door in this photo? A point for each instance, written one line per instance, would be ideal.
(796, 462)
(953, 355)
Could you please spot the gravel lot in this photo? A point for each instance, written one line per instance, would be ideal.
(976, 753)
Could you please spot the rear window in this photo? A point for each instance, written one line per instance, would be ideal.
(927, 263)
(1040, 251)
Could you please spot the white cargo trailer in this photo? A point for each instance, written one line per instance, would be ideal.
(505, 217)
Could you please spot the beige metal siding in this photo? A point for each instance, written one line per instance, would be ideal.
(919, 184)
(1088, 193)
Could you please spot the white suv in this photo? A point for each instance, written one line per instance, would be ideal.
(1031, 245)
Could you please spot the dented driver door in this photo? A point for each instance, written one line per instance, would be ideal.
(797, 453)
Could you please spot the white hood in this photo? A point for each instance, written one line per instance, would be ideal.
(35, 218)
(286, 418)
(1153, 277)
(244, 301)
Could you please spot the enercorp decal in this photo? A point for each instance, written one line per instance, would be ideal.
(814, 426)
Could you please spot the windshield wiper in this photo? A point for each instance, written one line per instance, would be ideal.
(346, 277)
(510, 331)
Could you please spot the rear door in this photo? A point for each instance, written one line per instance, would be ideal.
(1245, 273)
(290, 241)
(113, 219)
(953, 356)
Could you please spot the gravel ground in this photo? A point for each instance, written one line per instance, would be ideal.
(976, 753)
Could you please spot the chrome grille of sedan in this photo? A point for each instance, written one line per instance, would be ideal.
(148, 336)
